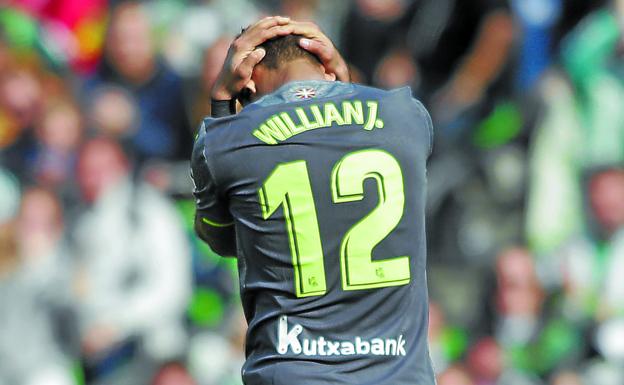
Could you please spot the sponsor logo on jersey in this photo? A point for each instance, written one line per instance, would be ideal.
(291, 341)
(305, 93)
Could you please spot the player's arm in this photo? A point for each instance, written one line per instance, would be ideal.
(213, 222)
(243, 55)
(220, 237)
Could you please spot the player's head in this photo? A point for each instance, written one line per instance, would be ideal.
(283, 50)
(284, 61)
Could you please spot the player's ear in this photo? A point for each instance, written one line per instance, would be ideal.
(330, 76)
(251, 85)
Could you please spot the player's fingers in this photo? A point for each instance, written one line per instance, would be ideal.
(327, 54)
(248, 40)
(268, 22)
(245, 69)
(259, 36)
(309, 30)
(318, 48)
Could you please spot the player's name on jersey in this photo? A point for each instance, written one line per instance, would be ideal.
(287, 124)
(290, 341)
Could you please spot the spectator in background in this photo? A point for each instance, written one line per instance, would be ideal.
(486, 361)
(464, 57)
(173, 374)
(131, 62)
(372, 28)
(113, 113)
(446, 343)
(535, 341)
(58, 133)
(566, 378)
(214, 57)
(34, 285)
(455, 375)
(135, 265)
(21, 100)
(519, 297)
(582, 127)
(460, 47)
(542, 24)
(396, 70)
(593, 261)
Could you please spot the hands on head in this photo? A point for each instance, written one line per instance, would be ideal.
(244, 54)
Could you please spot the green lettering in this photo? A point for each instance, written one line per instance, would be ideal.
(372, 115)
(316, 111)
(303, 118)
(353, 112)
(263, 137)
(275, 123)
(280, 123)
(295, 129)
(332, 115)
(268, 134)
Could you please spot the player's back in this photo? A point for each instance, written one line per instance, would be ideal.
(325, 184)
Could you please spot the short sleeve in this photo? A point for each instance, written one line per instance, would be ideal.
(211, 206)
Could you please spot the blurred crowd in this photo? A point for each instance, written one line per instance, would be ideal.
(102, 280)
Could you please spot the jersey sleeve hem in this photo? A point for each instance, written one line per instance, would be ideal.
(215, 223)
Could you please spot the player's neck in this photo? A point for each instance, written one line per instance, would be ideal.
(299, 70)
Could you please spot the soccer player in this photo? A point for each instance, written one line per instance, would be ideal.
(318, 188)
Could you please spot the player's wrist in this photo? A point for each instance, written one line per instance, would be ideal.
(221, 94)
(221, 108)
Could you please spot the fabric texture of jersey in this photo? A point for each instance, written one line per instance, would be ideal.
(359, 336)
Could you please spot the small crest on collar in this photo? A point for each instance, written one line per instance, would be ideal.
(305, 93)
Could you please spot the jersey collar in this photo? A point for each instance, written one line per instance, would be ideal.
(299, 91)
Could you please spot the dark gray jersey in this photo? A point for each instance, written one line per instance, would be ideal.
(325, 185)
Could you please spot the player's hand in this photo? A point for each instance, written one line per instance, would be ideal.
(317, 43)
(243, 56)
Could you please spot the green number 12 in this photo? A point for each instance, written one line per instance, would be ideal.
(289, 185)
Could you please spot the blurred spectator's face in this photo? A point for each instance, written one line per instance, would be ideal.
(455, 376)
(213, 61)
(566, 378)
(60, 128)
(20, 93)
(173, 375)
(39, 223)
(382, 9)
(606, 194)
(485, 360)
(519, 291)
(101, 165)
(299, 9)
(396, 70)
(130, 46)
(113, 113)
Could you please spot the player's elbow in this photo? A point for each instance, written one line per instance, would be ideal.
(221, 241)
(224, 249)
